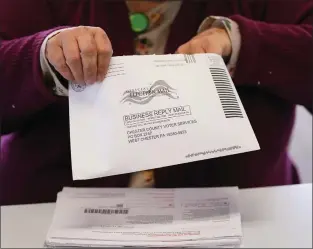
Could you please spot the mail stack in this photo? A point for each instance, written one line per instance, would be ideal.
(146, 218)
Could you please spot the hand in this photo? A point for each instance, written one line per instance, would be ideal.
(80, 54)
(213, 40)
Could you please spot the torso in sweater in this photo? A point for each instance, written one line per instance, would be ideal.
(36, 160)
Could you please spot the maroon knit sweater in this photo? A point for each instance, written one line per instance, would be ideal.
(273, 75)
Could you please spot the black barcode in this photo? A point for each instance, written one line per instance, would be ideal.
(189, 58)
(226, 93)
(105, 211)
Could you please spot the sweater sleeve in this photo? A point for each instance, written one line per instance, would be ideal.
(277, 55)
(24, 89)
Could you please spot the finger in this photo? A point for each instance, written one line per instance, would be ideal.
(183, 49)
(104, 54)
(191, 47)
(72, 57)
(57, 60)
(88, 53)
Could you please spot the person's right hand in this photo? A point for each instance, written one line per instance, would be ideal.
(80, 54)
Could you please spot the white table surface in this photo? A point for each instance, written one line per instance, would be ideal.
(278, 217)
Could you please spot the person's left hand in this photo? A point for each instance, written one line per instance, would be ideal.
(214, 40)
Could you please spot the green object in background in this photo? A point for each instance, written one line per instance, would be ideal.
(139, 22)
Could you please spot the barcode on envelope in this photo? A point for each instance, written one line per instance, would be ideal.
(190, 58)
(105, 211)
(226, 93)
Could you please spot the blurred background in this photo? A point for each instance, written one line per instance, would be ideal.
(301, 144)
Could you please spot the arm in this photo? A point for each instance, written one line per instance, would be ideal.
(277, 56)
(23, 88)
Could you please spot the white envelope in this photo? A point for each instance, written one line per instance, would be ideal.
(155, 111)
(143, 218)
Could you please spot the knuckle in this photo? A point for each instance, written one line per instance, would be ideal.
(73, 59)
(89, 50)
(105, 51)
(99, 30)
(77, 31)
(81, 28)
